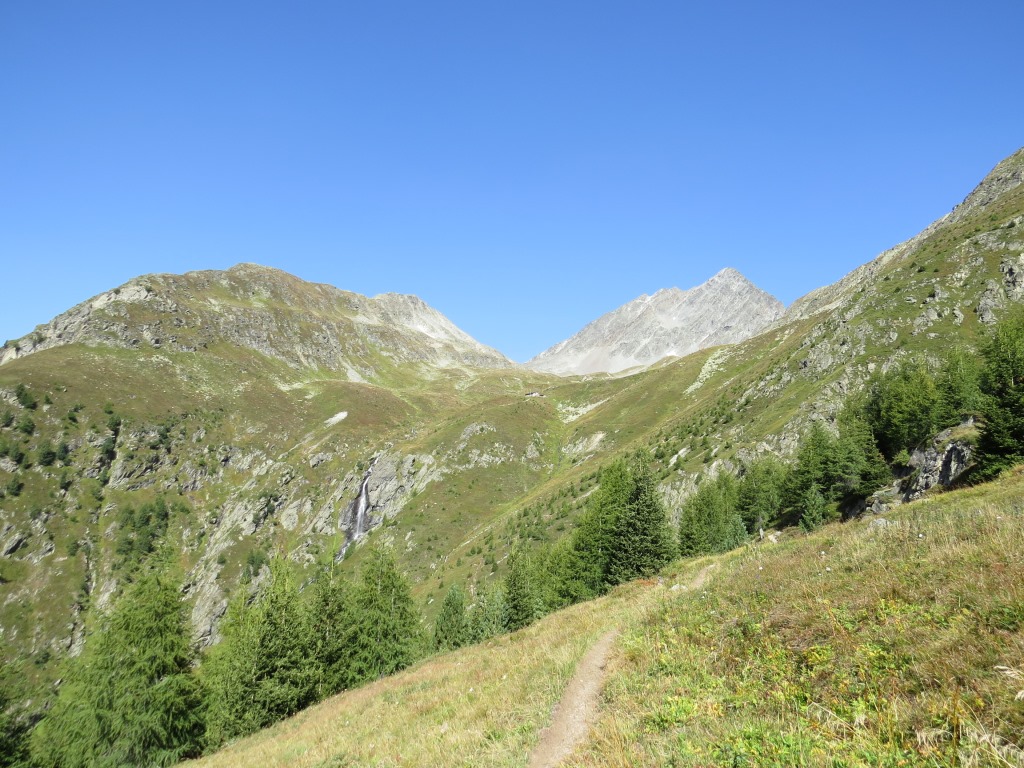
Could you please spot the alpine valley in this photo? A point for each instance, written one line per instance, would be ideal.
(266, 416)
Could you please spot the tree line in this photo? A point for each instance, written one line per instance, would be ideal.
(874, 433)
(136, 697)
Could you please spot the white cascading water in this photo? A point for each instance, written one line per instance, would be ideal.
(362, 505)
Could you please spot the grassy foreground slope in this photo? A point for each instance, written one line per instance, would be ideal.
(876, 642)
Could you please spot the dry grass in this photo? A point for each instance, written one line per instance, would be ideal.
(864, 644)
(481, 706)
(884, 644)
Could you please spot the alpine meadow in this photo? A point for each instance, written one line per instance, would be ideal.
(247, 519)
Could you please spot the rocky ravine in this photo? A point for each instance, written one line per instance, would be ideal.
(726, 309)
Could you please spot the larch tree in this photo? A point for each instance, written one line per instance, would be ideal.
(131, 698)
(451, 629)
(642, 538)
(390, 636)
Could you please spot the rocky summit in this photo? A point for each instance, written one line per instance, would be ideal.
(303, 324)
(727, 309)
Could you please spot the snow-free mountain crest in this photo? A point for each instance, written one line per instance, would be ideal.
(304, 324)
(727, 309)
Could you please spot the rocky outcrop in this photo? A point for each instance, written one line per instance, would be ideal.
(936, 465)
(726, 309)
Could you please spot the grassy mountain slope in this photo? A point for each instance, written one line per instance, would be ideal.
(894, 641)
(258, 427)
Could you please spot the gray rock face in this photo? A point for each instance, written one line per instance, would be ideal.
(938, 464)
(727, 309)
(935, 465)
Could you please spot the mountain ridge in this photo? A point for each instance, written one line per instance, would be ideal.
(725, 309)
(269, 310)
(267, 443)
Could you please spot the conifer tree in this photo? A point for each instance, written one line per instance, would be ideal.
(815, 465)
(287, 675)
(390, 637)
(760, 492)
(562, 576)
(959, 387)
(229, 673)
(524, 605)
(903, 408)
(489, 617)
(263, 670)
(860, 467)
(710, 520)
(1001, 442)
(334, 629)
(813, 509)
(642, 539)
(451, 629)
(594, 537)
(131, 698)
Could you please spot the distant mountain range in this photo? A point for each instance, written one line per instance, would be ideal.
(276, 415)
(269, 311)
(307, 323)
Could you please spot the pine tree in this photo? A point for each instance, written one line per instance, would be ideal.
(389, 636)
(524, 606)
(1001, 442)
(131, 699)
(813, 509)
(642, 538)
(264, 669)
(451, 629)
(334, 628)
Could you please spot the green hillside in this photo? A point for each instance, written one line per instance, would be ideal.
(229, 417)
(887, 641)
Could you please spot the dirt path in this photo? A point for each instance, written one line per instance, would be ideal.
(701, 578)
(577, 709)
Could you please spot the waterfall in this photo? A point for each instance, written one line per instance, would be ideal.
(362, 504)
(360, 517)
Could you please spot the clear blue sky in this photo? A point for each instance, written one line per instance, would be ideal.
(522, 166)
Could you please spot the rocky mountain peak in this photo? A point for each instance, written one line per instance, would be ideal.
(726, 309)
(267, 310)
